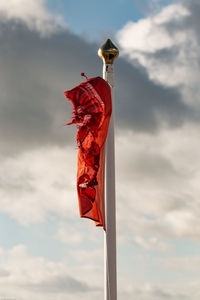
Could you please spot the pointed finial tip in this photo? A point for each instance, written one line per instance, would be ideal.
(108, 52)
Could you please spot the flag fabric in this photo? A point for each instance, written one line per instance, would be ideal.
(92, 110)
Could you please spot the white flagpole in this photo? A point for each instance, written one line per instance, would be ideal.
(108, 52)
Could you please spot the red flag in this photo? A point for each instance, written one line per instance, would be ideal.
(92, 110)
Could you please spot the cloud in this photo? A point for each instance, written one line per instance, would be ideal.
(38, 183)
(166, 28)
(59, 284)
(157, 146)
(156, 5)
(151, 243)
(188, 264)
(157, 184)
(33, 13)
(23, 275)
(146, 106)
(35, 70)
(147, 32)
(174, 60)
(69, 235)
(26, 276)
(161, 171)
(157, 180)
(162, 292)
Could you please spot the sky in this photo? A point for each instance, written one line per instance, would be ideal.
(46, 250)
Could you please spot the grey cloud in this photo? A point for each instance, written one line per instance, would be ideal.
(142, 104)
(189, 25)
(150, 166)
(16, 183)
(157, 292)
(34, 73)
(61, 284)
(36, 70)
(4, 273)
(192, 21)
(166, 55)
(189, 22)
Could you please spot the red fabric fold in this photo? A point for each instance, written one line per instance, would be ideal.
(92, 110)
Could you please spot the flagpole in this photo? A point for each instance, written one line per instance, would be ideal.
(108, 52)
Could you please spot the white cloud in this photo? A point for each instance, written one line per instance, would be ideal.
(38, 183)
(167, 45)
(79, 232)
(150, 34)
(35, 170)
(162, 185)
(158, 184)
(89, 257)
(157, 151)
(34, 109)
(159, 173)
(162, 171)
(71, 235)
(160, 292)
(188, 264)
(151, 243)
(33, 12)
(25, 276)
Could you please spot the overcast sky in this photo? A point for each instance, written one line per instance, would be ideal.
(46, 250)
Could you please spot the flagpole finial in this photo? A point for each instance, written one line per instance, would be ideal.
(108, 52)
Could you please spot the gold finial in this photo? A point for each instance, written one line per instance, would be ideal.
(108, 52)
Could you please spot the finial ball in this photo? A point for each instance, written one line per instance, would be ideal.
(108, 52)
